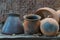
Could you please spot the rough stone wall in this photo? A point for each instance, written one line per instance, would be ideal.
(23, 7)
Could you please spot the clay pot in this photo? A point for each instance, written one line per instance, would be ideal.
(49, 27)
(13, 25)
(47, 13)
(31, 24)
(58, 13)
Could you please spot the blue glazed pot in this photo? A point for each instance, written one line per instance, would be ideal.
(13, 25)
(49, 27)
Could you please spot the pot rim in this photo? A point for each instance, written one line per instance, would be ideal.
(25, 17)
(12, 14)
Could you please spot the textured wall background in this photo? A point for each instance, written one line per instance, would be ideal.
(23, 7)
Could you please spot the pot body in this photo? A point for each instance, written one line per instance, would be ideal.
(49, 27)
(58, 13)
(13, 25)
(31, 26)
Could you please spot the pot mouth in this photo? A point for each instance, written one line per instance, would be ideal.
(32, 17)
(12, 14)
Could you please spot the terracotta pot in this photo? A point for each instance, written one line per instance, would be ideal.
(50, 13)
(49, 27)
(58, 13)
(13, 25)
(31, 24)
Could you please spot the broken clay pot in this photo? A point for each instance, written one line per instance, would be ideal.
(47, 12)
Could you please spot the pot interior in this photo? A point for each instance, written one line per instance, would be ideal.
(32, 17)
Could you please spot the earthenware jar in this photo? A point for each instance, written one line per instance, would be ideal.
(47, 12)
(13, 25)
(58, 13)
(31, 23)
(49, 27)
